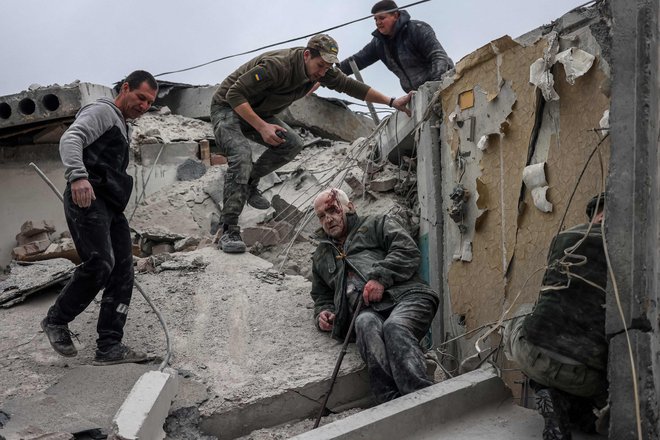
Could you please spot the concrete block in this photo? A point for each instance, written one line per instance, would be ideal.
(193, 102)
(263, 234)
(622, 406)
(397, 140)
(328, 118)
(144, 411)
(173, 153)
(383, 185)
(400, 418)
(48, 103)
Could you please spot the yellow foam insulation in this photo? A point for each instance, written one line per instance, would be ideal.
(507, 247)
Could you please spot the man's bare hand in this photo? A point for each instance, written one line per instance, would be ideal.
(373, 292)
(269, 134)
(326, 320)
(314, 88)
(82, 193)
(401, 103)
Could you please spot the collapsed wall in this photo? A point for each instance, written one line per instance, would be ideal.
(521, 120)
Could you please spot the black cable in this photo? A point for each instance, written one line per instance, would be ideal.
(283, 42)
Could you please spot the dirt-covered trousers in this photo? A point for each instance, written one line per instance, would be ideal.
(236, 140)
(543, 366)
(103, 241)
(389, 344)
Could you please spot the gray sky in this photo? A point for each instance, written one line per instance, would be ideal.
(47, 41)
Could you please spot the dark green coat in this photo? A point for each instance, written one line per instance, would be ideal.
(377, 248)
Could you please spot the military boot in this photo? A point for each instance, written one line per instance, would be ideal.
(231, 241)
(255, 199)
(552, 405)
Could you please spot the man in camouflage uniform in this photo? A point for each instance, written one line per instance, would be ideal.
(374, 257)
(408, 48)
(562, 345)
(242, 113)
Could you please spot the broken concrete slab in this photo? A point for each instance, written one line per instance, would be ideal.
(189, 101)
(328, 118)
(383, 184)
(143, 413)
(48, 103)
(28, 278)
(173, 153)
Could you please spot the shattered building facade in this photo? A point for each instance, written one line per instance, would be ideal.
(502, 153)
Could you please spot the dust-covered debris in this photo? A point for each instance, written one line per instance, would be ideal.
(164, 127)
(27, 278)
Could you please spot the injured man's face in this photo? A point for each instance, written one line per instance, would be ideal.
(331, 207)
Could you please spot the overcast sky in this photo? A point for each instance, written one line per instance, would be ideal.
(59, 41)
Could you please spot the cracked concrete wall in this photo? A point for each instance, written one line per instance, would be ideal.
(509, 236)
(633, 228)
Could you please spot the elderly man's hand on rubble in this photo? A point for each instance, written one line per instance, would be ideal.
(82, 193)
(373, 292)
(326, 320)
(401, 103)
(273, 134)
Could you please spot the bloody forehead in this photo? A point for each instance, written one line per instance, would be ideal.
(332, 201)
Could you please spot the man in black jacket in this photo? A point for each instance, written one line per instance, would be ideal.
(562, 346)
(95, 152)
(409, 48)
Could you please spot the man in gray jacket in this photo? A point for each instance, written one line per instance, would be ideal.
(409, 48)
(376, 258)
(95, 152)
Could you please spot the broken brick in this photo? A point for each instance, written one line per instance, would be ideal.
(30, 249)
(30, 228)
(22, 239)
(218, 159)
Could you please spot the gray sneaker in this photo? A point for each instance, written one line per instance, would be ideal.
(231, 241)
(256, 200)
(118, 354)
(59, 337)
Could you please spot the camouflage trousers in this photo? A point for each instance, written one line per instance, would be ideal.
(388, 342)
(237, 140)
(552, 369)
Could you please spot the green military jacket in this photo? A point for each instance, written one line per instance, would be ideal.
(376, 248)
(273, 80)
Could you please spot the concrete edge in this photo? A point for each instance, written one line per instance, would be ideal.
(144, 411)
(445, 401)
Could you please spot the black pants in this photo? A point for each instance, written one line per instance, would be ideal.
(103, 241)
(389, 344)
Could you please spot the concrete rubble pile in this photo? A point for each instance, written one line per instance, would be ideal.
(244, 370)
